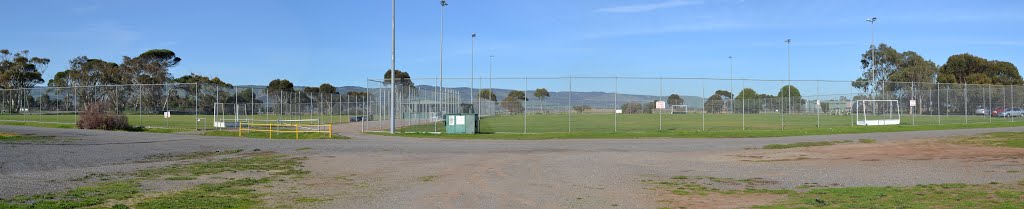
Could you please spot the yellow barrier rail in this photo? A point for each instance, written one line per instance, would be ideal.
(249, 127)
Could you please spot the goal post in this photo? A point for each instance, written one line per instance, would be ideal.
(877, 112)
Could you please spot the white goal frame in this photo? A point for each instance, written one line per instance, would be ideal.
(686, 109)
(861, 112)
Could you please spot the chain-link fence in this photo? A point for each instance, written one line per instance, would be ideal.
(631, 104)
(182, 106)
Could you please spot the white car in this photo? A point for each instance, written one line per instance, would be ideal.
(980, 111)
(1012, 112)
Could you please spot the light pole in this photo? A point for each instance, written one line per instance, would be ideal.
(472, 65)
(491, 74)
(440, 80)
(872, 48)
(789, 85)
(391, 128)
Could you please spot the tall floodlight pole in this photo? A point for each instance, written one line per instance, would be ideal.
(872, 21)
(490, 75)
(789, 80)
(440, 80)
(490, 85)
(391, 128)
(472, 77)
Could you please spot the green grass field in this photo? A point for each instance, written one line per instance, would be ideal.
(152, 122)
(597, 125)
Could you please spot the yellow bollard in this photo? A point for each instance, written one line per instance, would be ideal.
(239, 129)
(271, 131)
(296, 132)
(330, 131)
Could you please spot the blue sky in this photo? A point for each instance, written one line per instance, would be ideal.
(345, 42)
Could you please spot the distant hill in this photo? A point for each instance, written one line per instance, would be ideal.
(604, 100)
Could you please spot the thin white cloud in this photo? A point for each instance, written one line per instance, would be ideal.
(678, 28)
(634, 8)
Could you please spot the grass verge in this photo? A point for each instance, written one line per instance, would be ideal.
(266, 135)
(921, 196)
(16, 137)
(727, 133)
(127, 190)
(1002, 139)
(804, 144)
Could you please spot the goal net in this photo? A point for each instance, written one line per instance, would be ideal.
(679, 109)
(877, 112)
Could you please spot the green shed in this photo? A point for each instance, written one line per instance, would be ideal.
(461, 123)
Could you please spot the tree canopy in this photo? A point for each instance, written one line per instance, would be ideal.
(675, 99)
(488, 95)
(201, 80)
(541, 93)
(281, 85)
(17, 70)
(150, 67)
(891, 65)
(327, 88)
(970, 69)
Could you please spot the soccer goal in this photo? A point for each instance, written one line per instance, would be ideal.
(877, 112)
(680, 109)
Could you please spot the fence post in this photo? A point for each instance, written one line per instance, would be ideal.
(661, 93)
(817, 104)
(197, 106)
(965, 103)
(783, 111)
(704, 109)
(526, 87)
(570, 103)
(615, 107)
(743, 113)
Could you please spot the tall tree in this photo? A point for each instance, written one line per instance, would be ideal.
(488, 95)
(675, 99)
(403, 81)
(714, 104)
(356, 96)
(514, 102)
(724, 93)
(970, 69)
(541, 94)
(886, 64)
(151, 67)
(790, 93)
(280, 85)
(18, 70)
(327, 88)
(748, 101)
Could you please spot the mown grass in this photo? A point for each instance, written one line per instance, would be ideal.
(603, 125)
(84, 196)
(267, 135)
(188, 156)
(253, 162)
(804, 144)
(18, 137)
(1002, 139)
(921, 196)
(229, 194)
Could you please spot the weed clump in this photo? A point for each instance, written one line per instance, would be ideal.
(96, 116)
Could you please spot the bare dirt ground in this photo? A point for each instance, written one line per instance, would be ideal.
(386, 172)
